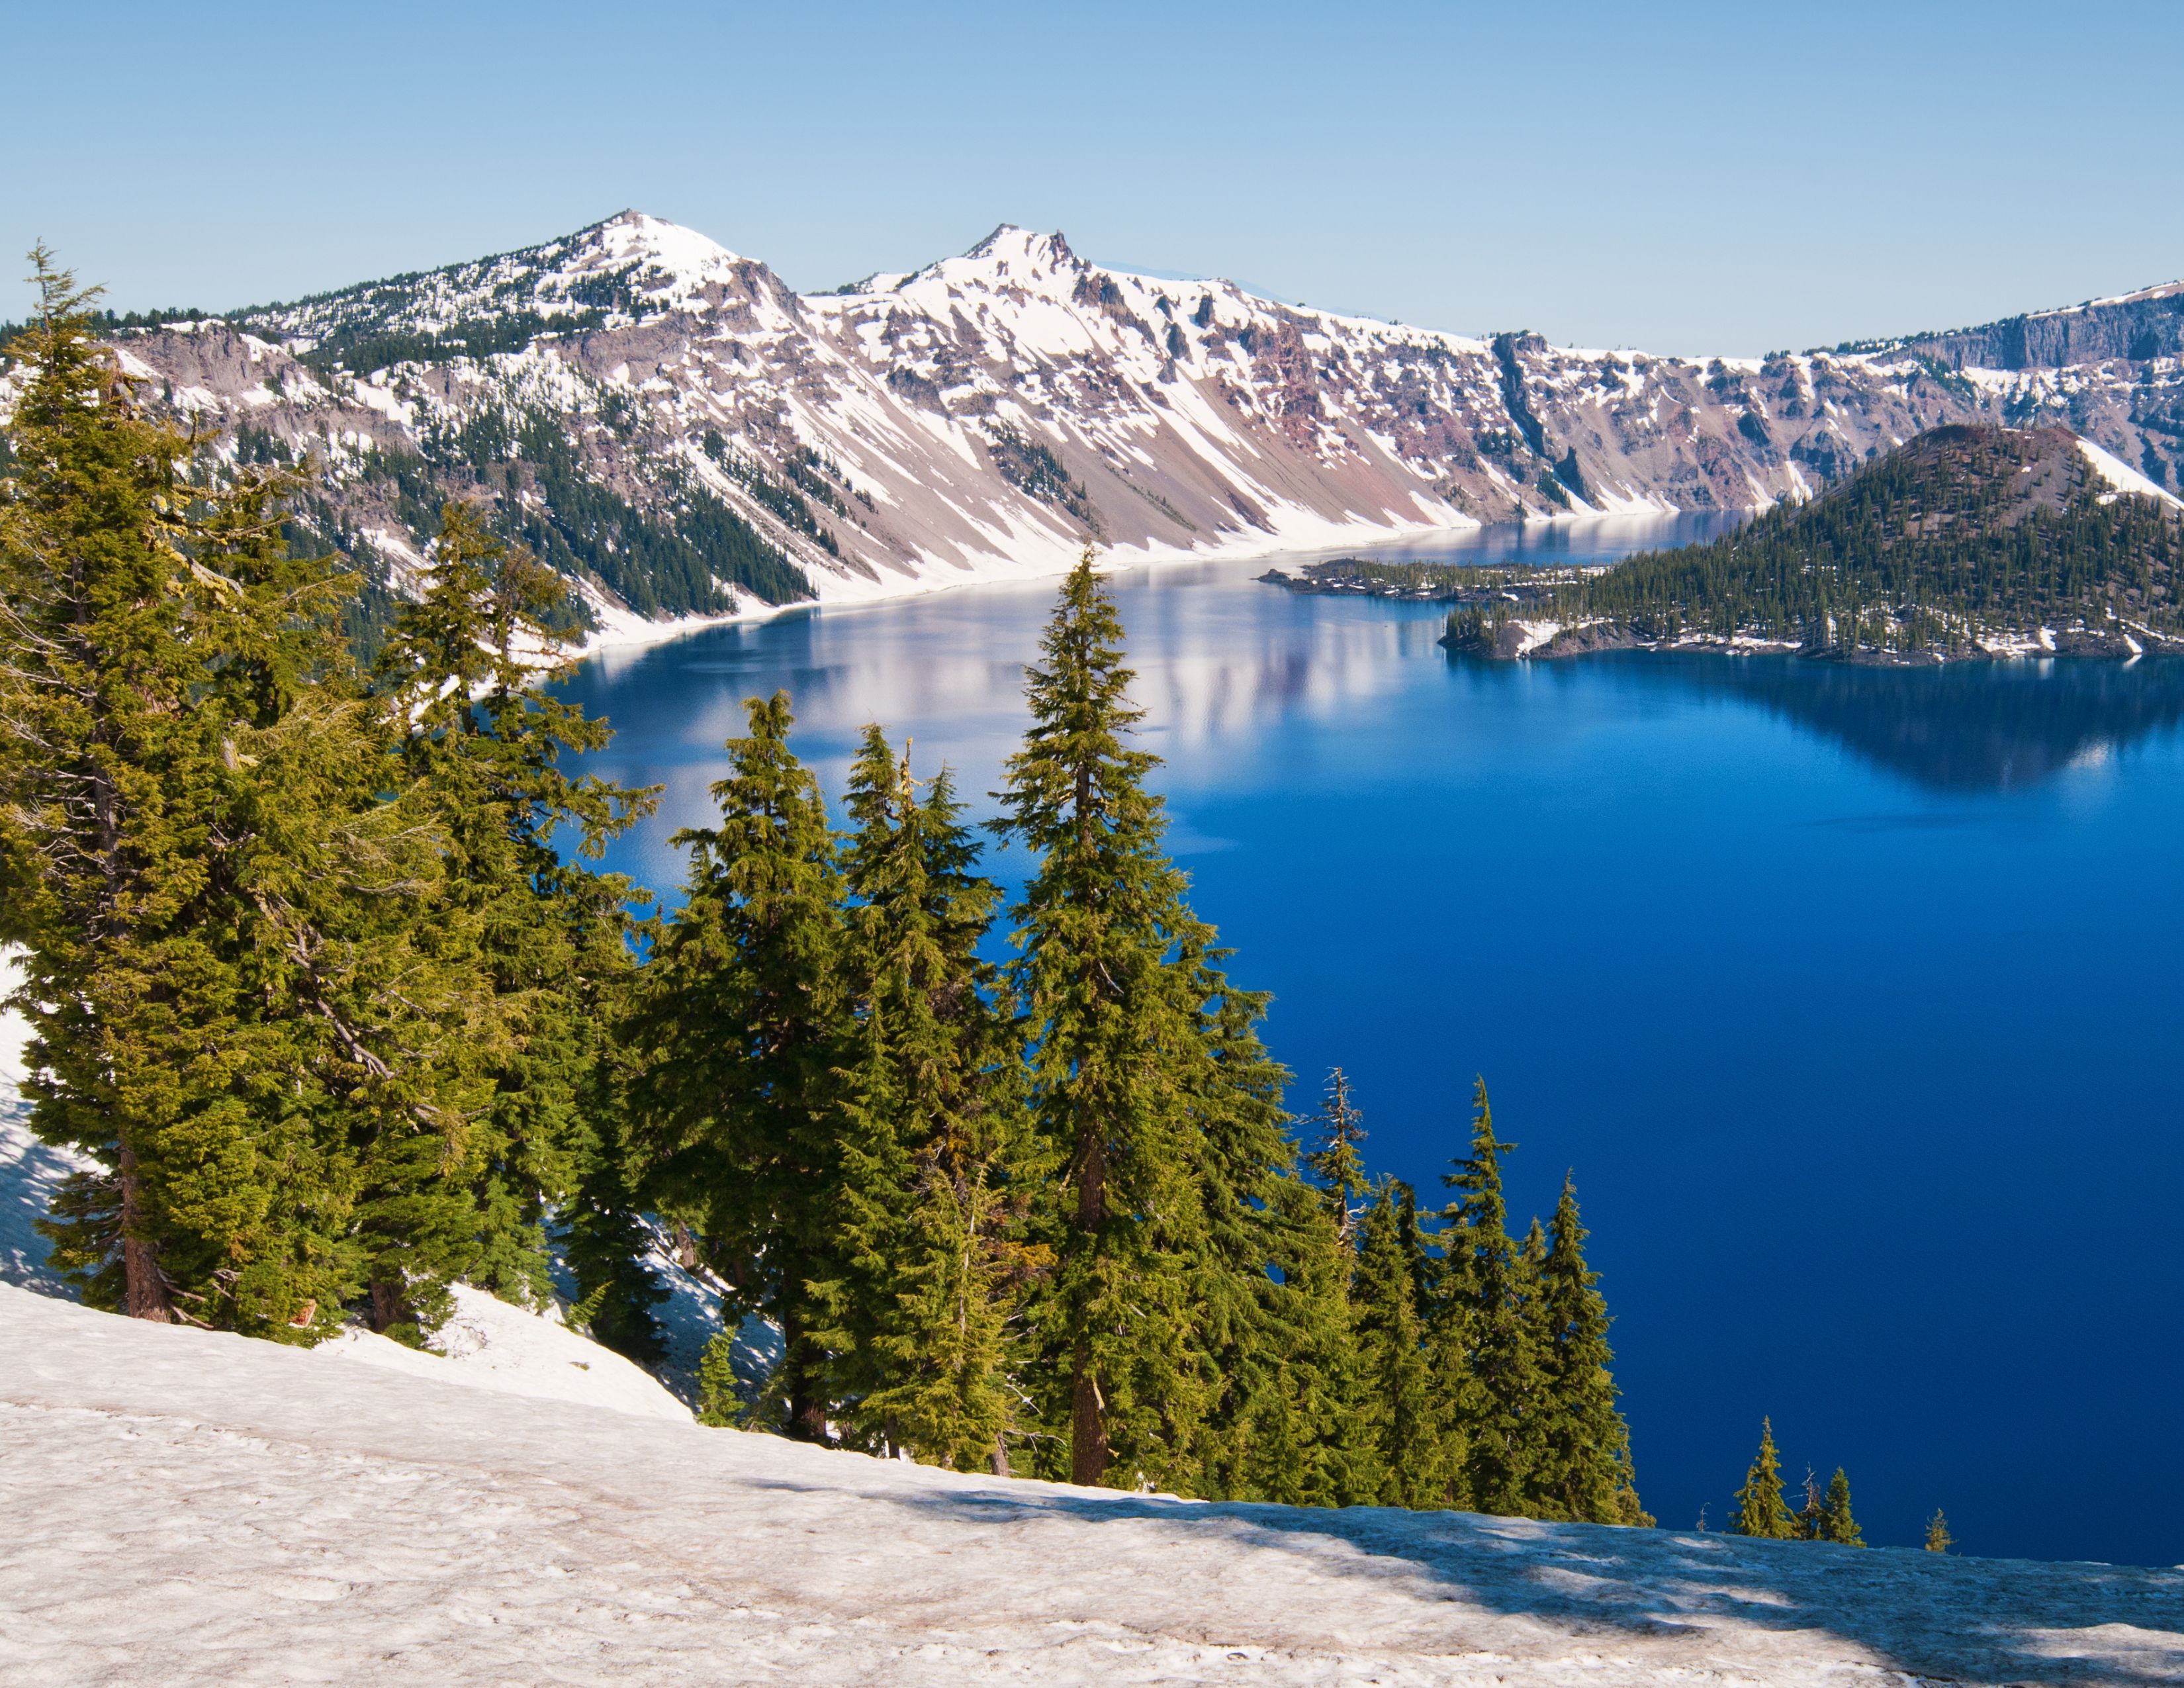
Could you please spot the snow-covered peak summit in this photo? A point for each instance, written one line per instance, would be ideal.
(630, 266)
(1010, 259)
(652, 245)
(1023, 249)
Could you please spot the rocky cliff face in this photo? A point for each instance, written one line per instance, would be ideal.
(683, 435)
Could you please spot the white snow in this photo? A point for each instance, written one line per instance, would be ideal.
(189, 1508)
(490, 1345)
(30, 1173)
(2124, 478)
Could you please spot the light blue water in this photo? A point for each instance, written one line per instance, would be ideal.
(1850, 994)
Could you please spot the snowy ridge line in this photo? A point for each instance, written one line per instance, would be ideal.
(983, 417)
(286, 1518)
(2125, 479)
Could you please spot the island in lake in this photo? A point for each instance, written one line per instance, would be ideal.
(1967, 542)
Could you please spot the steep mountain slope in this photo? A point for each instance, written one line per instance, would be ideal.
(186, 1508)
(683, 434)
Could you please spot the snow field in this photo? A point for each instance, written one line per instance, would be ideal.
(186, 1509)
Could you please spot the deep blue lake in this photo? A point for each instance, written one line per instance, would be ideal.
(1850, 994)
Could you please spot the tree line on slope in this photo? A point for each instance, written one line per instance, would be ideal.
(339, 1024)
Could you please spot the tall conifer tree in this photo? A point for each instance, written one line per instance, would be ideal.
(1400, 1405)
(459, 676)
(1485, 1318)
(934, 1172)
(1146, 1081)
(1836, 1523)
(1338, 1159)
(1586, 1471)
(1308, 1381)
(737, 1033)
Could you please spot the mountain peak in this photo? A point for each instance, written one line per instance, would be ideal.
(691, 259)
(1014, 251)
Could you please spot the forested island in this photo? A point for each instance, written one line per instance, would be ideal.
(1966, 542)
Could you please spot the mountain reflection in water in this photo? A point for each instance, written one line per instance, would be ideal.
(1968, 726)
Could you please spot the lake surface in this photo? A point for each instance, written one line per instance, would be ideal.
(1850, 994)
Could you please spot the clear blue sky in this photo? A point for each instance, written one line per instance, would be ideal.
(1683, 176)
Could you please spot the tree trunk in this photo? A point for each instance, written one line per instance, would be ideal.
(1087, 1413)
(807, 1399)
(386, 1304)
(144, 1288)
(1088, 1426)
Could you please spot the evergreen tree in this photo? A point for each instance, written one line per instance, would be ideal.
(1410, 1238)
(457, 677)
(1486, 1317)
(1759, 1508)
(1399, 1404)
(735, 1035)
(1836, 1523)
(1327, 1453)
(1938, 1538)
(1810, 1521)
(1338, 1162)
(720, 1404)
(935, 1178)
(103, 766)
(1146, 1083)
(1585, 1470)
(606, 1242)
(233, 977)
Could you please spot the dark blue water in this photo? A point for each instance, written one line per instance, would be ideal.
(1850, 994)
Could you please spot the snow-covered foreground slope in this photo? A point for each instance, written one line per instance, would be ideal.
(184, 1507)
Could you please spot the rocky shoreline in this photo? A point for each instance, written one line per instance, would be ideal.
(1515, 637)
(1514, 641)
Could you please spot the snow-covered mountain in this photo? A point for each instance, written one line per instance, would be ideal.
(683, 434)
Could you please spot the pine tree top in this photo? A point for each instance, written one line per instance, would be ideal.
(1479, 1205)
(1077, 776)
(1337, 1161)
(1759, 1508)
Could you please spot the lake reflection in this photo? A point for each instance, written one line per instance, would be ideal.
(1849, 993)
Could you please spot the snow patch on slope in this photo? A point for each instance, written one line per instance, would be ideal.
(30, 1172)
(487, 1345)
(2124, 478)
(490, 1345)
